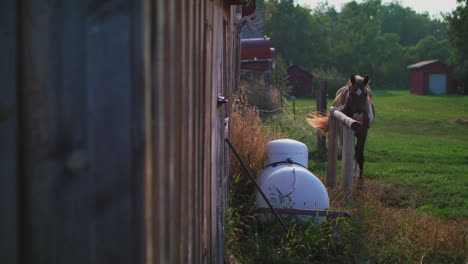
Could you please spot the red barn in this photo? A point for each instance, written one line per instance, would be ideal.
(256, 55)
(430, 77)
(300, 80)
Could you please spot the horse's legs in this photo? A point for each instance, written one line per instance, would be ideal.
(359, 150)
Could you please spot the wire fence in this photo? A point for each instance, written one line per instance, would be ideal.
(291, 117)
(293, 113)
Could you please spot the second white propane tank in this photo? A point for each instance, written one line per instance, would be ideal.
(287, 182)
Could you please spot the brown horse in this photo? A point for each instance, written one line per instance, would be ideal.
(354, 100)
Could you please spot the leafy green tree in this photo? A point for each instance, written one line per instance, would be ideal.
(296, 34)
(387, 66)
(362, 38)
(458, 37)
(409, 25)
(358, 28)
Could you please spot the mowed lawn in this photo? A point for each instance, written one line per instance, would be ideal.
(415, 142)
(416, 147)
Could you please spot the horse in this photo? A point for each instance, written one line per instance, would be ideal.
(354, 100)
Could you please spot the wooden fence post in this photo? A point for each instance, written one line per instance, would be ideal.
(321, 98)
(349, 127)
(347, 168)
(332, 151)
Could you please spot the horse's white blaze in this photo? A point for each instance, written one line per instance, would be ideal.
(359, 91)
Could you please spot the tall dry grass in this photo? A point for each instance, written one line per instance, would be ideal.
(250, 135)
(385, 234)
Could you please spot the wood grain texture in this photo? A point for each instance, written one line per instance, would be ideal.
(347, 168)
(345, 120)
(108, 84)
(122, 156)
(8, 133)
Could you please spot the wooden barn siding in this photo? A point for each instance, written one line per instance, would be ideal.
(194, 64)
(300, 80)
(8, 131)
(77, 147)
(417, 81)
(121, 154)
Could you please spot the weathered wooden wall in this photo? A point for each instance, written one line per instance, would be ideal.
(112, 139)
(8, 133)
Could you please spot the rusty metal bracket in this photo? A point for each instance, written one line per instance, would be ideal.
(221, 100)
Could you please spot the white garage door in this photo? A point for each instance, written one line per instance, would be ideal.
(438, 83)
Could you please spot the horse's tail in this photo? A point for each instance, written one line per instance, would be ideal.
(319, 121)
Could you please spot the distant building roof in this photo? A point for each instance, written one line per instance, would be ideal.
(256, 54)
(421, 64)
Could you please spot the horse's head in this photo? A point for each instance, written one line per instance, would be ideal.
(358, 90)
(358, 85)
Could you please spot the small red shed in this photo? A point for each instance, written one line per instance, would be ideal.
(300, 80)
(430, 77)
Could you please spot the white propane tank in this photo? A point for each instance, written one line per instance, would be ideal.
(289, 184)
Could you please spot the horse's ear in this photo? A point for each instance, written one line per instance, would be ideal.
(352, 78)
(366, 80)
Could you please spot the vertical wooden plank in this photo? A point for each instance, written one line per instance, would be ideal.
(208, 122)
(108, 84)
(8, 133)
(160, 143)
(149, 192)
(42, 174)
(332, 152)
(217, 88)
(190, 219)
(200, 80)
(186, 134)
(70, 217)
(347, 169)
(172, 122)
(195, 76)
(138, 134)
(53, 128)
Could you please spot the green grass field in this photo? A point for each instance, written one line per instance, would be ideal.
(414, 144)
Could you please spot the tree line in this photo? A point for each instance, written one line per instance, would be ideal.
(372, 38)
